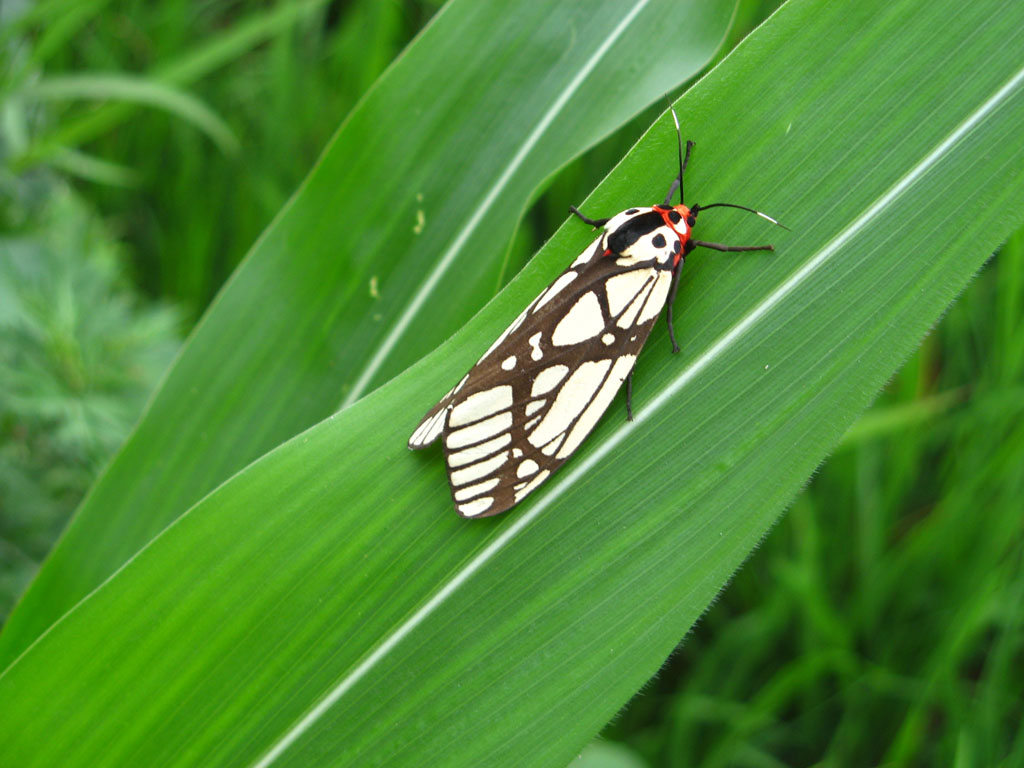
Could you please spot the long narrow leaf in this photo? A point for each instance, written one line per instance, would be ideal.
(113, 86)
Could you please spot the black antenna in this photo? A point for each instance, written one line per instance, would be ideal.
(742, 208)
(683, 160)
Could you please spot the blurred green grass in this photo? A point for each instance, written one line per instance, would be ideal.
(283, 91)
(879, 623)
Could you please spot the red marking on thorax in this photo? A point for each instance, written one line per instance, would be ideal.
(684, 214)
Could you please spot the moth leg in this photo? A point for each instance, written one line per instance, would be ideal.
(629, 396)
(720, 247)
(676, 270)
(592, 222)
(671, 191)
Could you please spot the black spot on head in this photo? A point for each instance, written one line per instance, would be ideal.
(631, 211)
(674, 216)
(660, 207)
(691, 220)
(675, 248)
(658, 241)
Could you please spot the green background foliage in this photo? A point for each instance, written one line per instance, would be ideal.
(879, 622)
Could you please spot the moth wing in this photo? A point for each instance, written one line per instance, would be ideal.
(533, 397)
(433, 423)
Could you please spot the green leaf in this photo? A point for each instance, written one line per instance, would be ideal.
(90, 168)
(601, 754)
(325, 606)
(138, 90)
(248, 32)
(396, 238)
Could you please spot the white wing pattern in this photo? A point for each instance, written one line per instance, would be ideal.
(540, 389)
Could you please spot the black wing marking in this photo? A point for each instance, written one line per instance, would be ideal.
(532, 398)
(430, 426)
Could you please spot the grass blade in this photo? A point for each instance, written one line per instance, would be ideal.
(138, 90)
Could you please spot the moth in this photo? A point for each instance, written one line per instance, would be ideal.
(542, 386)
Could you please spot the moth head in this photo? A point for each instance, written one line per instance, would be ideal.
(678, 218)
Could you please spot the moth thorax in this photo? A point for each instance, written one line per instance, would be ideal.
(660, 244)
